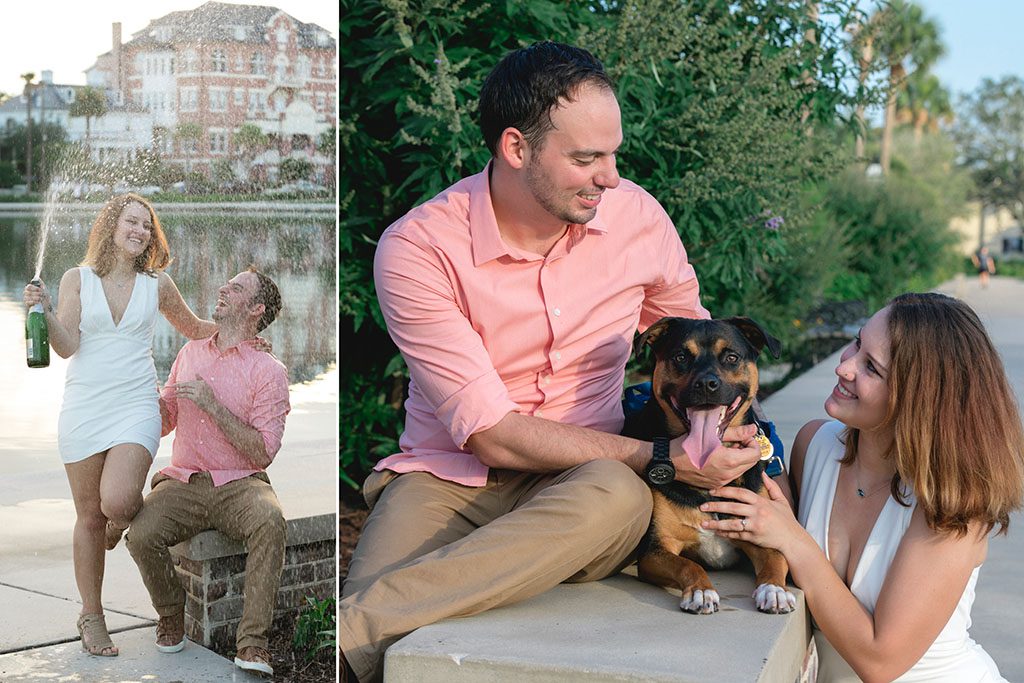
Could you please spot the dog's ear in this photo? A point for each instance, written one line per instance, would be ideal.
(755, 334)
(651, 334)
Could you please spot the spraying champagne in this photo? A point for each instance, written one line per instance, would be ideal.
(37, 337)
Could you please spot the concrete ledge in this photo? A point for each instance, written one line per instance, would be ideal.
(619, 629)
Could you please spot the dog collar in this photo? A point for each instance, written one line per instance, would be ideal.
(660, 470)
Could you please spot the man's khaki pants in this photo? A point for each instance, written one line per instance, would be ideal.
(245, 509)
(432, 549)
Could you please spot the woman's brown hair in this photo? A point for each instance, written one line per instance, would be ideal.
(957, 435)
(100, 252)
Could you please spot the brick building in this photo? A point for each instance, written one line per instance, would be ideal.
(198, 75)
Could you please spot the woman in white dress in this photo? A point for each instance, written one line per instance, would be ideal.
(897, 496)
(109, 426)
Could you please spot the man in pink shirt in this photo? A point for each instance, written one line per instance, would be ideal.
(226, 399)
(514, 296)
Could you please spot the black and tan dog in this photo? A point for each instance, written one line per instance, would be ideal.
(705, 379)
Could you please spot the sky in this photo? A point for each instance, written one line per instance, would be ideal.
(982, 39)
(66, 36)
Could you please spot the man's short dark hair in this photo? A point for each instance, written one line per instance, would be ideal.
(267, 294)
(522, 89)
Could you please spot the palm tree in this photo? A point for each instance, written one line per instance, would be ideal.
(910, 43)
(249, 141)
(28, 77)
(923, 103)
(90, 103)
(863, 34)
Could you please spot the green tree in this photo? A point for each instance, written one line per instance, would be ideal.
(910, 43)
(90, 103)
(923, 104)
(296, 169)
(188, 134)
(990, 136)
(249, 141)
(29, 87)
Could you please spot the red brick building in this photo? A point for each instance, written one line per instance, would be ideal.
(201, 74)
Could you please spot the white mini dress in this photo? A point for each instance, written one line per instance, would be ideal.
(110, 390)
(954, 657)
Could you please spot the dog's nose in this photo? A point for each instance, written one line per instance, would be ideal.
(708, 383)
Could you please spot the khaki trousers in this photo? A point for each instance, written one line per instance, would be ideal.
(245, 509)
(432, 549)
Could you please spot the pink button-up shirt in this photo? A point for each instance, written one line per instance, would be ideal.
(487, 329)
(252, 384)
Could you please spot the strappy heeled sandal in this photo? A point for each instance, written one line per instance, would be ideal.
(95, 639)
(112, 535)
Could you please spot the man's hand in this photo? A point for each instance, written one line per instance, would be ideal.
(726, 462)
(197, 391)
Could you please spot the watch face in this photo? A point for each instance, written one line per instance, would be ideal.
(661, 473)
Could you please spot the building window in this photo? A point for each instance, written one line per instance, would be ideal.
(256, 102)
(282, 38)
(218, 99)
(239, 33)
(189, 99)
(239, 64)
(190, 61)
(220, 62)
(239, 97)
(218, 142)
(258, 63)
(321, 101)
(306, 67)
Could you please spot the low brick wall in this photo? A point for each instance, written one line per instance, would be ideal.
(211, 567)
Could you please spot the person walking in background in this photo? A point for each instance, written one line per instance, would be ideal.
(985, 264)
(109, 425)
(897, 496)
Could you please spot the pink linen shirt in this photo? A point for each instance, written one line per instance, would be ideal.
(252, 384)
(487, 329)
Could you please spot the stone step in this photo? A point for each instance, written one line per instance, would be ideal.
(618, 629)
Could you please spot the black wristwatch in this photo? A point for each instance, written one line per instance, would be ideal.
(660, 470)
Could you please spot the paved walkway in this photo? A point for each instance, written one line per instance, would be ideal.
(998, 613)
(38, 598)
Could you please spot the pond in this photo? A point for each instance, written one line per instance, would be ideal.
(296, 249)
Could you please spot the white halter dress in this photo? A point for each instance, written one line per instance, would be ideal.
(110, 390)
(954, 657)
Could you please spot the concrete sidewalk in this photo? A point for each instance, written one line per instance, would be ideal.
(38, 638)
(998, 614)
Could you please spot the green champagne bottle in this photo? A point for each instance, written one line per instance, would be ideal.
(37, 337)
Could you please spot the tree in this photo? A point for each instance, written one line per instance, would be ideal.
(923, 103)
(187, 134)
(909, 42)
(90, 103)
(990, 137)
(249, 141)
(293, 169)
(29, 87)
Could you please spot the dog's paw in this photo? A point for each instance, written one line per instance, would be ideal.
(700, 602)
(774, 599)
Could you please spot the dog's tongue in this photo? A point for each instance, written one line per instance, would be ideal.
(703, 438)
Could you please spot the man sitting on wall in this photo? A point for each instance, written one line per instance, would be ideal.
(227, 400)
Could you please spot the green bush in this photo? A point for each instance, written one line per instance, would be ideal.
(721, 122)
(9, 176)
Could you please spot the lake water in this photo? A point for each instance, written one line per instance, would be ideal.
(296, 250)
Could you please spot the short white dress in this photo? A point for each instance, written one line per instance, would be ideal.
(954, 657)
(110, 390)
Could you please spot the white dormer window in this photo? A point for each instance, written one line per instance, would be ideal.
(321, 38)
(239, 33)
(163, 33)
(282, 37)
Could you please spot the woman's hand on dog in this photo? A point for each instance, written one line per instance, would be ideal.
(725, 463)
(767, 522)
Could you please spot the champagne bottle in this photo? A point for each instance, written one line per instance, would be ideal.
(37, 337)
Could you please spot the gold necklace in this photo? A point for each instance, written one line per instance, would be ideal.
(860, 490)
